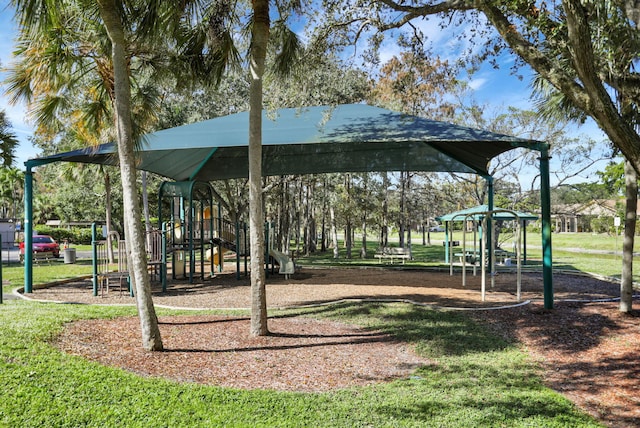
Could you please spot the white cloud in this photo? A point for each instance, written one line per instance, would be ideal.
(477, 83)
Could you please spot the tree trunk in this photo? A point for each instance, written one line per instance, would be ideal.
(384, 233)
(257, 56)
(299, 216)
(136, 253)
(107, 216)
(403, 196)
(334, 232)
(631, 206)
(363, 250)
(145, 206)
(310, 229)
(348, 242)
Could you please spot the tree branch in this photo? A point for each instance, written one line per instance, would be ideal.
(412, 12)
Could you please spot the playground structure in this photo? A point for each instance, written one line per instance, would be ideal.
(486, 257)
(193, 240)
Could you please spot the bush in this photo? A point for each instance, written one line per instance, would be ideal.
(74, 235)
(602, 225)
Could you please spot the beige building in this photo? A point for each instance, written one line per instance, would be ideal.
(577, 217)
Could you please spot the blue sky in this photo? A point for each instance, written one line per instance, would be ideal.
(16, 114)
(497, 88)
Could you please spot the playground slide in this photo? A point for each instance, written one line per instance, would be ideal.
(287, 267)
(216, 255)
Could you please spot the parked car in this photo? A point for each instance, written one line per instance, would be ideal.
(42, 244)
(437, 228)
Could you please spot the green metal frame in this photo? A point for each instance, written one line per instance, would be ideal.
(185, 189)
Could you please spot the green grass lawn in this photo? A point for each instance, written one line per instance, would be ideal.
(13, 275)
(582, 252)
(476, 380)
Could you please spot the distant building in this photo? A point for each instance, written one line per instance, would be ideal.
(577, 217)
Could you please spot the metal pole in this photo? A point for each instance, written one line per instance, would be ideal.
(447, 225)
(28, 229)
(490, 233)
(94, 261)
(237, 250)
(163, 267)
(545, 202)
(244, 248)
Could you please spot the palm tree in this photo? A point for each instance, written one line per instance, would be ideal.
(257, 58)
(211, 41)
(209, 50)
(8, 141)
(79, 32)
(113, 23)
(11, 187)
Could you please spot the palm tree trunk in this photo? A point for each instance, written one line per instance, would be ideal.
(151, 340)
(257, 56)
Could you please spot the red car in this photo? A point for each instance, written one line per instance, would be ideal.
(42, 244)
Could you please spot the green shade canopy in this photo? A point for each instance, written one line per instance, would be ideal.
(478, 213)
(345, 138)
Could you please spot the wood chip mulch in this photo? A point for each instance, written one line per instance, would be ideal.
(300, 354)
(590, 352)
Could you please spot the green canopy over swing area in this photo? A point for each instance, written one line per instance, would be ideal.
(482, 221)
(320, 139)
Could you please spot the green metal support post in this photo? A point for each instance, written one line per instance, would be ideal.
(163, 267)
(94, 257)
(545, 202)
(28, 229)
(489, 231)
(237, 250)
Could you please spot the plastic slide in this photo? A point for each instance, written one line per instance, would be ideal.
(287, 267)
(216, 255)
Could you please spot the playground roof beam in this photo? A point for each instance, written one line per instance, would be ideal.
(344, 138)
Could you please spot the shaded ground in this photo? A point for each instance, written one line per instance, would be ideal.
(590, 352)
(315, 286)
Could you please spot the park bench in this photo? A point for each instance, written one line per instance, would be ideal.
(391, 253)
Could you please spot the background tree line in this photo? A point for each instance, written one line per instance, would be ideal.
(312, 210)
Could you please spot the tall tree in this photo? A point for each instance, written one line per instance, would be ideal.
(257, 57)
(70, 24)
(112, 18)
(8, 141)
(218, 48)
(11, 189)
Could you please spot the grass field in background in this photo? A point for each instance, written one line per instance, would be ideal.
(581, 252)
